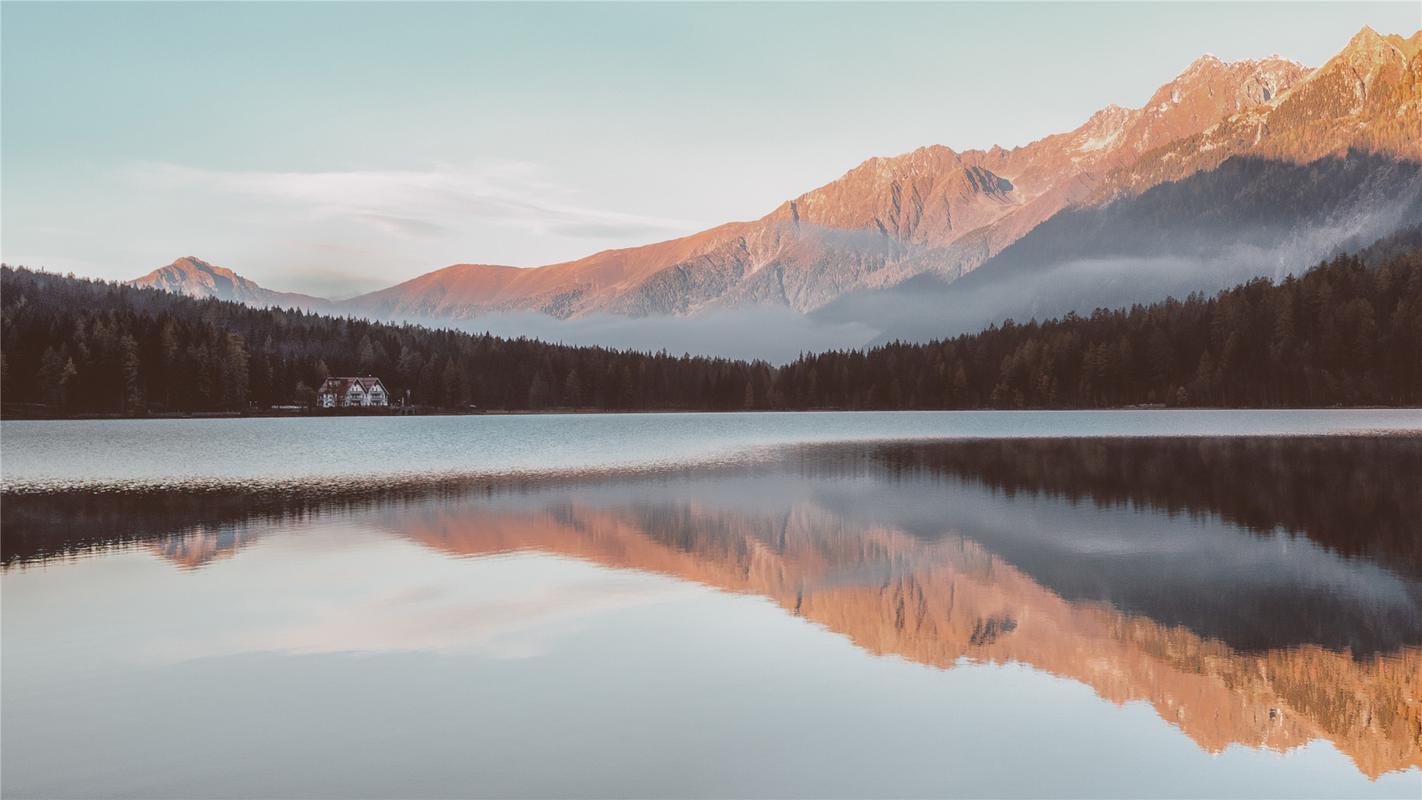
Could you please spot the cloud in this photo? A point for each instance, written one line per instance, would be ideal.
(403, 226)
(422, 203)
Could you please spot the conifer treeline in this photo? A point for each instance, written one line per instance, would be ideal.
(93, 347)
(1344, 333)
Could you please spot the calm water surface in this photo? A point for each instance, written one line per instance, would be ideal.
(773, 612)
(137, 453)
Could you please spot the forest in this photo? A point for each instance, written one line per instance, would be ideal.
(1347, 332)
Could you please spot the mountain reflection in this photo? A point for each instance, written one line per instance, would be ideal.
(939, 601)
(1259, 592)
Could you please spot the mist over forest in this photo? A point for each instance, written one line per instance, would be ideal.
(1344, 333)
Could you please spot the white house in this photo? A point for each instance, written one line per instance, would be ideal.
(345, 392)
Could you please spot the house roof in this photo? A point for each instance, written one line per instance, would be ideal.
(343, 385)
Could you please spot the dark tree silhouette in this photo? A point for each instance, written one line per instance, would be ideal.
(1348, 332)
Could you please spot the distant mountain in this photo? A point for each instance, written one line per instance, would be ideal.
(888, 219)
(194, 277)
(906, 225)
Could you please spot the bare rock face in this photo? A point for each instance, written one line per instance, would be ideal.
(1368, 98)
(194, 277)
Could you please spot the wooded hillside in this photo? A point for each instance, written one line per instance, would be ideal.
(1347, 332)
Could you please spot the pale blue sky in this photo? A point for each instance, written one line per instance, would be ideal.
(334, 147)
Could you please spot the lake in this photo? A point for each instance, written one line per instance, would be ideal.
(1020, 604)
(126, 454)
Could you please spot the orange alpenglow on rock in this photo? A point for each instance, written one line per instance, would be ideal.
(933, 210)
(884, 221)
(197, 278)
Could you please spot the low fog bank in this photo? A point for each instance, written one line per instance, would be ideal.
(777, 335)
(930, 308)
(926, 309)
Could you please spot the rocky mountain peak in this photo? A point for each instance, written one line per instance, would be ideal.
(194, 277)
(1364, 40)
(1368, 52)
(1216, 88)
(1364, 98)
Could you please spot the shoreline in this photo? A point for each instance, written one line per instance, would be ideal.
(201, 415)
(359, 486)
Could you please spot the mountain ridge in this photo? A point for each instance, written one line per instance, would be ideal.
(882, 221)
(1382, 75)
(937, 211)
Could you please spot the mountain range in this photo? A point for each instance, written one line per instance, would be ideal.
(1278, 157)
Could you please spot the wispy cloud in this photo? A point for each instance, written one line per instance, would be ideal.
(422, 203)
